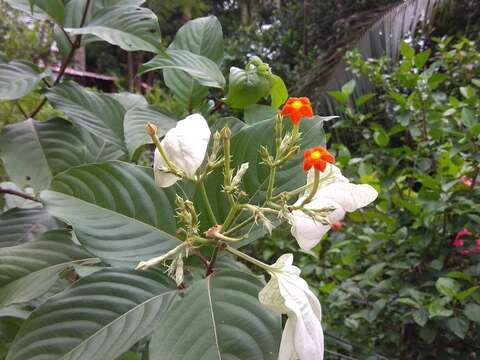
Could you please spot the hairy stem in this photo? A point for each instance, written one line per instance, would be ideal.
(210, 213)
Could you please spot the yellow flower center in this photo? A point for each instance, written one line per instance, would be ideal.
(316, 155)
(297, 104)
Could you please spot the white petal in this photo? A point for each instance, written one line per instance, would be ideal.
(331, 171)
(13, 201)
(186, 146)
(349, 196)
(306, 311)
(287, 344)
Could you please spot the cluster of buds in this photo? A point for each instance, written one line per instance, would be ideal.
(188, 217)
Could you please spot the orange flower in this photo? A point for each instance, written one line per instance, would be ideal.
(297, 108)
(317, 157)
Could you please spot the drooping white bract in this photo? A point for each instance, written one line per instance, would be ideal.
(334, 191)
(287, 293)
(185, 146)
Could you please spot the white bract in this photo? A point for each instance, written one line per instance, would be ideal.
(13, 201)
(287, 293)
(334, 191)
(185, 146)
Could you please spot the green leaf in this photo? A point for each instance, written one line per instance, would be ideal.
(29, 270)
(219, 318)
(246, 87)
(362, 100)
(98, 149)
(134, 127)
(406, 50)
(97, 113)
(422, 58)
(116, 210)
(18, 78)
(129, 100)
(18, 226)
(466, 293)
(472, 311)
(339, 96)
(437, 309)
(200, 68)
(100, 317)
(202, 36)
(381, 138)
(348, 88)
(448, 287)
(33, 152)
(131, 28)
(467, 91)
(458, 326)
(420, 317)
(279, 92)
(42, 9)
(257, 113)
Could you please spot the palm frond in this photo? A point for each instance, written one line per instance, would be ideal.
(378, 33)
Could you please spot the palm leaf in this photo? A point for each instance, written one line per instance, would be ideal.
(379, 33)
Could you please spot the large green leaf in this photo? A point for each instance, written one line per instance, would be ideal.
(97, 113)
(42, 10)
(98, 149)
(18, 226)
(18, 78)
(33, 152)
(245, 145)
(200, 68)
(98, 318)
(27, 271)
(116, 210)
(219, 318)
(132, 28)
(134, 125)
(201, 36)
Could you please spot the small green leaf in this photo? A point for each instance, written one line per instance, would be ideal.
(447, 286)
(420, 317)
(406, 50)
(349, 87)
(363, 99)
(279, 92)
(422, 58)
(437, 309)
(468, 92)
(472, 311)
(257, 113)
(339, 96)
(381, 138)
(458, 326)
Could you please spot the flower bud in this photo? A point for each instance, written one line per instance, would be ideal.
(151, 129)
(226, 133)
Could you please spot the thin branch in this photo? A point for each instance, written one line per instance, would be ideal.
(74, 46)
(21, 110)
(211, 263)
(18, 193)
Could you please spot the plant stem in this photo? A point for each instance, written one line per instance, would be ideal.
(230, 217)
(239, 226)
(211, 263)
(19, 194)
(313, 190)
(76, 44)
(248, 258)
(210, 213)
(271, 182)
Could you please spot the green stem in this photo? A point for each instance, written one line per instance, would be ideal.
(162, 152)
(227, 168)
(239, 226)
(210, 213)
(211, 263)
(313, 190)
(271, 182)
(248, 258)
(230, 217)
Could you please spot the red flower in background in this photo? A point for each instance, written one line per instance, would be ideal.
(297, 108)
(317, 158)
(337, 226)
(467, 181)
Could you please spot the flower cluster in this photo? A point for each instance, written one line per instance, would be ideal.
(459, 242)
(320, 205)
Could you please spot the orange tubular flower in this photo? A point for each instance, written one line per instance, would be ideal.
(317, 158)
(297, 108)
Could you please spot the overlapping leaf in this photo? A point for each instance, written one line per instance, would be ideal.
(33, 152)
(200, 68)
(201, 36)
(130, 27)
(42, 9)
(98, 318)
(18, 226)
(219, 318)
(97, 113)
(27, 271)
(134, 125)
(116, 210)
(18, 78)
